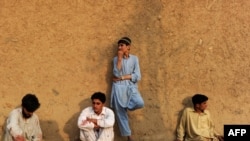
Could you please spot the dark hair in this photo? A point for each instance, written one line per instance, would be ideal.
(30, 102)
(99, 95)
(125, 40)
(199, 98)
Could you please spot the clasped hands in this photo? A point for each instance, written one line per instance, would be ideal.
(94, 121)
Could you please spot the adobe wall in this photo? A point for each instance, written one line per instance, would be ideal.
(62, 51)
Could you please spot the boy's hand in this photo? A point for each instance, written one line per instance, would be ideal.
(19, 138)
(120, 54)
(221, 138)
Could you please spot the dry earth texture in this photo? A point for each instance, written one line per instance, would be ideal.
(62, 51)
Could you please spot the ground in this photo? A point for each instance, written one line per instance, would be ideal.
(62, 51)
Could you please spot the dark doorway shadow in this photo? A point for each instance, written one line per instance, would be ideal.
(50, 130)
(71, 126)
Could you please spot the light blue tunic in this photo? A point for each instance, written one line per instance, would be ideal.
(125, 94)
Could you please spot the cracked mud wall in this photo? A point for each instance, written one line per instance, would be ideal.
(62, 51)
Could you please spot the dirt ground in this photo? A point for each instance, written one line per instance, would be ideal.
(62, 51)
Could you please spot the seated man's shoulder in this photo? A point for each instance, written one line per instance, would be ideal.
(188, 109)
(88, 108)
(207, 112)
(108, 109)
(35, 115)
(16, 111)
(133, 56)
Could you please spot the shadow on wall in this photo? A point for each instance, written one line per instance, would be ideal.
(187, 102)
(3, 129)
(71, 127)
(48, 135)
(109, 81)
(53, 133)
(109, 74)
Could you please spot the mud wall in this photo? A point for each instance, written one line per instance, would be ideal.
(62, 51)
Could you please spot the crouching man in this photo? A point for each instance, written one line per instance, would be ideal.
(96, 122)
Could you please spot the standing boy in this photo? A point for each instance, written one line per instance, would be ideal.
(125, 95)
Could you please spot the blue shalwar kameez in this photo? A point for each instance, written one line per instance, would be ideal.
(125, 94)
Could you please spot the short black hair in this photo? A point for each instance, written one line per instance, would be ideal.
(99, 95)
(30, 102)
(199, 98)
(125, 40)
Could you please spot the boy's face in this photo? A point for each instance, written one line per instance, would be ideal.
(123, 47)
(202, 106)
(26, 113)
(97, 106)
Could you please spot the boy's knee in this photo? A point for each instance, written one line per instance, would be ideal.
(136, 105)
(140, 104)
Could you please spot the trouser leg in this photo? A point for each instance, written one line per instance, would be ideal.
(87, 135)
(122, 119)
(106, 135)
